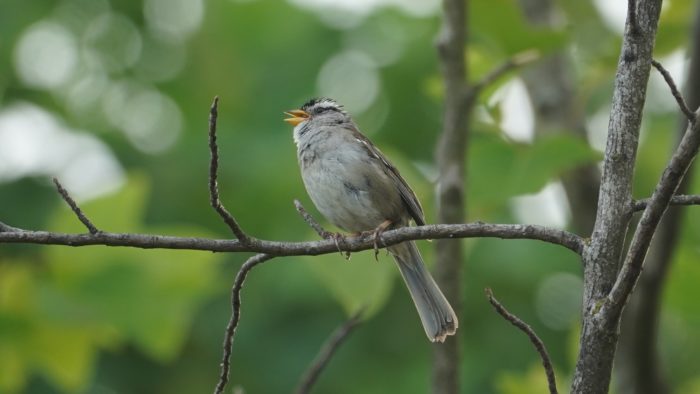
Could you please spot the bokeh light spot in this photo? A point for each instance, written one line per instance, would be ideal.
(175, 20)
(45, 56)
(114, 41)
(558, 300)
(34, 142)
(150, 120)
(351, 78)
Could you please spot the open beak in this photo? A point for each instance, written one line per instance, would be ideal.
(296, 116)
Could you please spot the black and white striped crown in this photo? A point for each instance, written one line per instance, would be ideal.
(322, 104)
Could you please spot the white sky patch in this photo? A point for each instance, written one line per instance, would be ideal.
(517, 117)
(614, 13)
(597, 128)
(34, 142)
(549, 207)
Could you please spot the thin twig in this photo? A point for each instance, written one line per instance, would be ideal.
(536, 341)
(681, 199)
(236, 316)
(674, 90)
(311, 221)
(213, 171)
(6, 228)
(336, 237)
(74, 207)
(517, 60)
(632, 16)
(563, 238)
(327, 351)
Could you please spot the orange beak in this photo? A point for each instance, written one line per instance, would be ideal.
(296, 116)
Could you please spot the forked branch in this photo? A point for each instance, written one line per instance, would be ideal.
(656, 207)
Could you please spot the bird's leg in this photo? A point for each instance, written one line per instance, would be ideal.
(336, 237)
(377, 234)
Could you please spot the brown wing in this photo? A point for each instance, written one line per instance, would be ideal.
(407, 195)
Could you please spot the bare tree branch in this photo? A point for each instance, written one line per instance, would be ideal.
(669, 182)
(311, 221)
(74, 207)
(517, 60)
(536, 341)
(327, 351)
(310, 248)
(213, 173)
(679, 199)
(674, 90)
(5, 228)
(336, 237)
(236, 316)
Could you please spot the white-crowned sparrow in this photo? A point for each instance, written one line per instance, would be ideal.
(356, 188)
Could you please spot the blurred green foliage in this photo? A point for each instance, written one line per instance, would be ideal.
(99, 319)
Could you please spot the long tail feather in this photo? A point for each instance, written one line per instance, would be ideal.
(436, 314)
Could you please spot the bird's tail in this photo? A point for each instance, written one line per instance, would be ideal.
(436, 314)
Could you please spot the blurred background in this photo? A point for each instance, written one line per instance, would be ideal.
(112, 98)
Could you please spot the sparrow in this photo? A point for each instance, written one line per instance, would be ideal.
(355, 187)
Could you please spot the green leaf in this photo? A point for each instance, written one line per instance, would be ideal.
(13, 368)
(499, 169)
(66, 354)
(500, 25)
(56, 319)
(675, 23)
(148, 296)
(533, 380)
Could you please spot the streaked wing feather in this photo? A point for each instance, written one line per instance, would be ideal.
(407, 195)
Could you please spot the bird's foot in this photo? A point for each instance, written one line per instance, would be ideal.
(377, 236)
(336, 237)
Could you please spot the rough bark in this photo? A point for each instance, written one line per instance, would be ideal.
(451, 157)
(639, 369)
(601, 256)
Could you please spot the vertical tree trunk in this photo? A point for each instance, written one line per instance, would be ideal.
(451, 156)
(601, 257)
